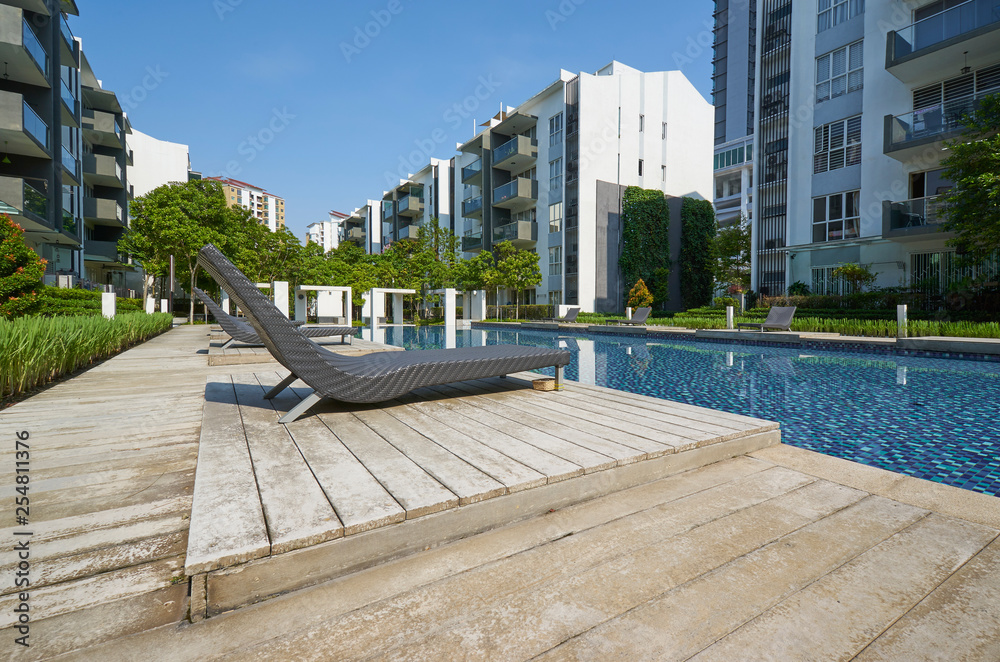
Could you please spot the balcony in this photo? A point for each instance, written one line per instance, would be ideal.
(31, 204)
(25, 57)
(408, 232)
(21, 128)
(103, 127)
(473, 207)
(69, 106)
(516, 153)
(473, 173)
(516, 195)
(356, 234)
(931, 48)
(472, 243)
(387, 210)
(411, 206)
(912, 218)
(101, 251)
(523, 234)
(909, 135)
(102, 170)
(68, 46)
(103, 211)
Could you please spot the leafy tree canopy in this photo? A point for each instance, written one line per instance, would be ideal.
(21, 271)
(732, 252)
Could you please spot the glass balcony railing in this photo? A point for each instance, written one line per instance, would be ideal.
(471, 242)
(953, 22)
(471, 170)
(34, 47)
(68, 98)
(35, 202)
(69, 161)
(932, 121)
(118, 171)
(118, 128)
(36, 126)
(516, 145)
(520, 188)
(387, 210)
(66, 33)
(472, 205)
(916, 213)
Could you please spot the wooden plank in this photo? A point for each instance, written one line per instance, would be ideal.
(578, 454)
(360, 501)
(227, 521)
(552, 467)
(509, 472)
(296, 510)
(463, 479)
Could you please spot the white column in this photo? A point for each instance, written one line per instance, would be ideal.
(397, 308)
(729, 317)
(301, 299)
(901, 324)
(478, 305)
(348, 306)
(108, 303)
(467, 305)
(150, 305)
(327, 305)
(225, 302)
(368, 306)
(279, 288)
(450, 311)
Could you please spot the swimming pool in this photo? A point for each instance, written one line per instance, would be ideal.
(932, 418)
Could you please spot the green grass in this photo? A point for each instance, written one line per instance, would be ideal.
(35, 350)
(853, 327)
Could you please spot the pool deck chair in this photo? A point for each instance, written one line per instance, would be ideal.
(240, 331)
(374, 377)
(569, 318)
(778, 318)
(638, 317)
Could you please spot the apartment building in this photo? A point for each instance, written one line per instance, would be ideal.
(327, 234)
(548, 175)
(364, 227)
(733, 87)
(156, 162)
(424, 195)
(267, 208)
(857, 101)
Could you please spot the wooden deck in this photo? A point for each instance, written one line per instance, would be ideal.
(264, 489)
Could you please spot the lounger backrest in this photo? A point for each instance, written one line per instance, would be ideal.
(571, 314)
(227, 322)
(641, 314)
(276, 331)
(780, 316)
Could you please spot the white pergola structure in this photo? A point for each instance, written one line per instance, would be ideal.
(333, 302)
(474, 305)
(374, 307)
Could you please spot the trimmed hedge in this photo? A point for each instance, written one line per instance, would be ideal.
(63, 302)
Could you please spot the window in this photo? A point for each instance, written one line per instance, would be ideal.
(555, 129)
(663, 173)
(732, 157)
(839, 72)
(642, 123)
(555, 175)
(837, 145)
(663, 131)
(835, 12)
(640, 167)
(836, 216)
(555, 217)
(555, 297)
(555, 261)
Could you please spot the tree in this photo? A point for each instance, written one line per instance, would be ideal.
(21, 271)
(732, 254)
(698, 231)
(646, 240)
(472, 274)
(972, 206)
(639, 296)
(517, 269)
(857, 276)
(179, 219)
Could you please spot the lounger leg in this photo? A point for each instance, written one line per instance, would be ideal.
(282, 385)
(300, 408)
(559, 380)
(229, 342)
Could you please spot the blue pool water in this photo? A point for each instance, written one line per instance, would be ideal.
(932, 418)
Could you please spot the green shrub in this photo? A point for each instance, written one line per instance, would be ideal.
(722, 302)
(35, 350)
(21, 271)
(59, 302)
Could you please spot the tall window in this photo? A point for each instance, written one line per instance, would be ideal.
(555, 217)
(642, 123)
(663, 173)
(555, 175)
(837, 216)
(663, 131)
(838, 144)
(839, 72)
(555, 261)
(835, 12)
(640, 167)
(555, 129)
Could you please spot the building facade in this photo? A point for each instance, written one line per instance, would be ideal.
(327, 234)
(733, 88)
(268, 209)
(156, 162)
(364, 227)
(424, 195)
(857, 102)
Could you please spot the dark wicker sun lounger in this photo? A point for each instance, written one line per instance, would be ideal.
(569, 318)
(638, 317)
(375, 377)
(779, 317)
(240, 331)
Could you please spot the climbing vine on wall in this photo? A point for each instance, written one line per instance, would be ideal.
(645, 240)
(697, 261)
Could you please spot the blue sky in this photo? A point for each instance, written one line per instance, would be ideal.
(320, 102)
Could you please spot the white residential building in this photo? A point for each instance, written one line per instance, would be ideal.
(364, 227)
(425, 195)
(857, 100)
(327, 234)
(549, 174)
(156, 162)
